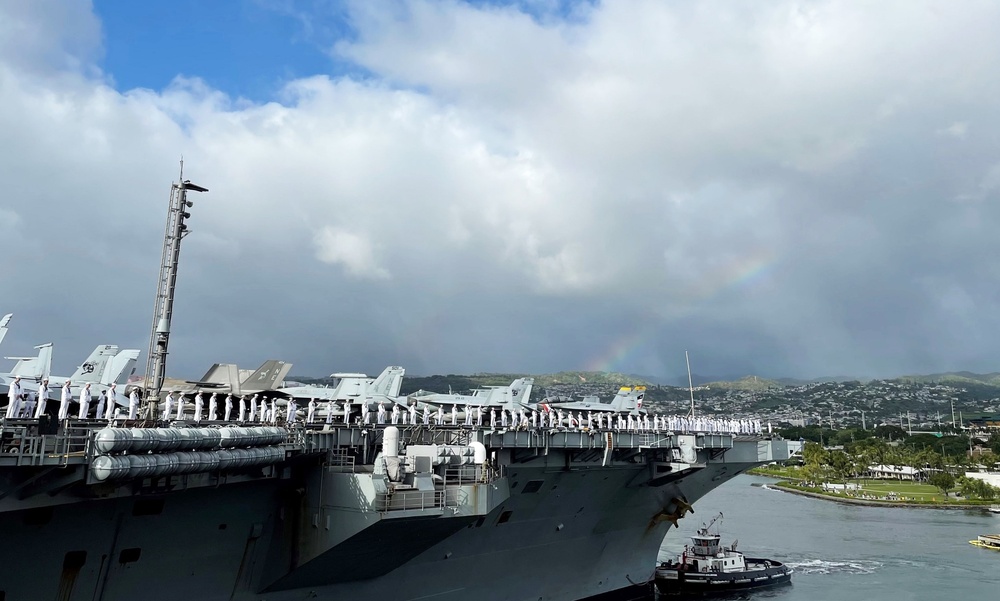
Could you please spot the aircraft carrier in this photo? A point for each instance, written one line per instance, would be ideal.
(222, 511)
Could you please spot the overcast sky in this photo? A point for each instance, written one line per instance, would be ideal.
(783, 188)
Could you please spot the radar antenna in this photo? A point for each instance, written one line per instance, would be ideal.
(163, 308)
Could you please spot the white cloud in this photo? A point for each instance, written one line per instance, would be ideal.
(958, 129)
(762, 171)
(351, 250)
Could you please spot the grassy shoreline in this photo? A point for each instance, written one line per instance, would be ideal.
(908, 494)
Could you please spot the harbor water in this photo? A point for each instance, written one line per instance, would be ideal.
(851, 552)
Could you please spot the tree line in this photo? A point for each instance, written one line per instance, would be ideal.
(942, 459)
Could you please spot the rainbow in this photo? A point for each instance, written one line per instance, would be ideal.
(743, 273)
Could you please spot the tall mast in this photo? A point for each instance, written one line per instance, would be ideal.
(163, 308)
(690, 383)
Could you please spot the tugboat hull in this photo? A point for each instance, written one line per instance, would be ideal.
(670, 581)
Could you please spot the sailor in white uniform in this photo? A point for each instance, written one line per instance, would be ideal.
(274, 412)
(213, 407)
(311, 410)
(199, 406)
(101, 401)
(253, 408)
(454, 415)
(84, 402)
(395, 414)
(293, 411)
(365, 416)
(479, 416)
(413, 415)
(180, 407)
(427, 416)
(133, 404)
(43, 398)
(229, 407)
(468, 417)
(14, 395)
(168, 406)
(65, 399)
(381, 413)
(109, 412)
(243, 408)
(493, 418)
(29, 404)
(329, 412)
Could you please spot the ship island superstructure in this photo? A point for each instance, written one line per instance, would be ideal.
(147, 509)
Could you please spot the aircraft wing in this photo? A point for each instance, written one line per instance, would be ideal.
(207, 385)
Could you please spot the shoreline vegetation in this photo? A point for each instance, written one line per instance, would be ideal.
(870, 492)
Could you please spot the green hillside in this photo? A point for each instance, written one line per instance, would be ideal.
(957, 377)
(746, 383)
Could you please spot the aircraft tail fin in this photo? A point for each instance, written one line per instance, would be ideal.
(268, 376)
(388, 382)
(513, 397)
(92, 369)
(120, 367)
(520, 390)
(34, 368)
(629, 399)
(4, 323)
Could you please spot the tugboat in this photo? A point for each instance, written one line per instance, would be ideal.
(706, 567)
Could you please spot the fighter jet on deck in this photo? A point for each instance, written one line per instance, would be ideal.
(105, 365)
(628, 400)
(512, 398)
(349, 392)
(224, 378)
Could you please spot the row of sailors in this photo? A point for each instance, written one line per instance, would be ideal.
(552, 418)
(24, 405)
(32, 404)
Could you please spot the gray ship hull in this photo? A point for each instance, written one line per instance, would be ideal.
(572, 534)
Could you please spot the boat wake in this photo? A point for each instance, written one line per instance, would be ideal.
(821, 566)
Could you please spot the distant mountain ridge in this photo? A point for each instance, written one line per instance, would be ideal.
(964, 377)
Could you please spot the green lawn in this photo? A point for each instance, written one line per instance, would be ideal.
(874, 489)
(912, 490)
(879, 490)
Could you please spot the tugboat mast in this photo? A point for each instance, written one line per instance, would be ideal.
(163, 308)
